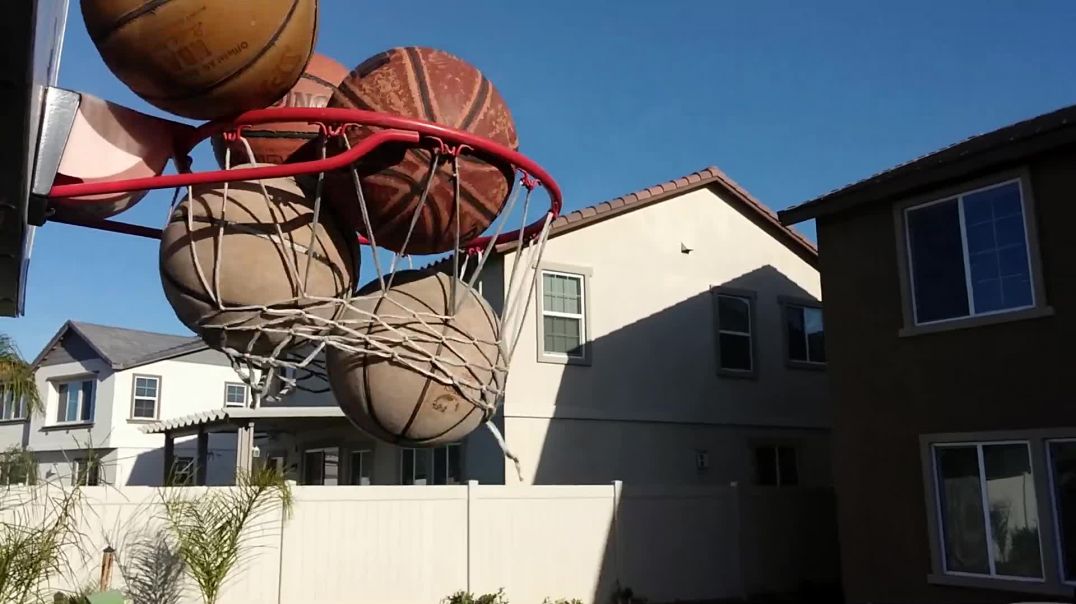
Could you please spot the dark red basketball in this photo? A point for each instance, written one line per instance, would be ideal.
(287, 142)
(435, 86)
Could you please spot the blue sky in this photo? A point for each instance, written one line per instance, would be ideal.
(789, 98)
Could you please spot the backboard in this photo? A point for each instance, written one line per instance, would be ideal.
(31, 41)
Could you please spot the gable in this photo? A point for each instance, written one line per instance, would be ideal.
(71, 348)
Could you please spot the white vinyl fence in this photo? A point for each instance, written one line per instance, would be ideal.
(417, 545)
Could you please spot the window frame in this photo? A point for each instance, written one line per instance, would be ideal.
(1052, 583)
(20, 412)
(751, 297)
(777, 446)
(576, 272)
(431, 461)
(190, 470)
(365, 455)
(787, 304)
(135, 398)
(246, 396)
(92, 463)
(1053, 504)
(1040, 306)
(324, 453)
(54, 387)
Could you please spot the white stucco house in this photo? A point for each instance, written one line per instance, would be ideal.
(675, 338)
(101, 384)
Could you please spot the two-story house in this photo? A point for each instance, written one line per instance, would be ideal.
(675, 337)
(101, 384)
(950, 283)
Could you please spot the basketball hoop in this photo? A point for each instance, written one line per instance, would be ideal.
(284, 348)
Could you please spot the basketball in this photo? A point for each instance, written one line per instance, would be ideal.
(393, 399)
(284, 142)
(109, 142)
(435, 86)
(204, 59)
(247, 251)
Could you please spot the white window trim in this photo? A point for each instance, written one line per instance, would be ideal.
(323, 451)
(1041, 308)
(1037, 440)
(18, 408)
(1053, 508)
(246, 395)
(584, 275)
(69, 381)
(135, 398)
(986, 506)
(92, 463)
(431, 459)
(751, 299)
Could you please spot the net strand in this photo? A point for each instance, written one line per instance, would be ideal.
(376, 325)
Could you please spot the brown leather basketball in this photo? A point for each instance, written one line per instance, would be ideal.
(280, 143)
(395, 398)
(204, 59)
(435, 86)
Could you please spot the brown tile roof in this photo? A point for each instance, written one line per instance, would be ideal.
(709, 177)
(964, 159)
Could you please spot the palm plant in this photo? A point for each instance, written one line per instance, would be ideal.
(34, 537)
(17, 377)
(212, 528)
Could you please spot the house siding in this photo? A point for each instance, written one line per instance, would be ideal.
(652, 336)
(888, 390)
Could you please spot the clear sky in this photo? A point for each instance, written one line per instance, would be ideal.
(789, 98)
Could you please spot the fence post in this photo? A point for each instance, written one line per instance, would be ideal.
(471, 484)
(618, 489)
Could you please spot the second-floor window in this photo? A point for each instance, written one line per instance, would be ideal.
(734, 342)
(11, 409)
(805, 334)
(235, 395)
(147, 397)
(564, 329)
(968, 255)
(75, 401)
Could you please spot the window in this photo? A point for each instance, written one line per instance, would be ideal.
(1062, 456)
(968, 255)
(321, 466)
(147, 395)
(415, 465)
(183, 471)
(775, 465)
(563, 328)
(86, 473)
(359, 468)
(805, 335)
(11, 409)
(735, 354)
(989, 518)
(235, 395)
(75, 401)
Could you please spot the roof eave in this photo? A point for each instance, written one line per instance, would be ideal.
(951, 165)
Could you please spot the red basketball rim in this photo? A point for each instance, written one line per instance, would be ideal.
(332, 120)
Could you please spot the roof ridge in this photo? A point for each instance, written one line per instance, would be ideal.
(116, 327)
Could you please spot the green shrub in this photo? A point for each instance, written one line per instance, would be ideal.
(465, 597)
(562, 601)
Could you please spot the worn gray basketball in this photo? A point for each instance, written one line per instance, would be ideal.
(394, 400)
(252, 251)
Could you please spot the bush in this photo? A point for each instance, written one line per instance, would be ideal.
(464, 597)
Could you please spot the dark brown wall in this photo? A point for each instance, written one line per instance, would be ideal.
(889, 389)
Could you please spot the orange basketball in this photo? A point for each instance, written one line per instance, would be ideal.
(435, 86)
(284, 142)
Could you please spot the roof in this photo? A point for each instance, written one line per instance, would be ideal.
(232, 415)
(126, 348)
(710, 177)
(967, 158)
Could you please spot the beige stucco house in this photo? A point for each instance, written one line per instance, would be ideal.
(675, 337)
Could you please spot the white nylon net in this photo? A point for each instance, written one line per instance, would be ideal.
(285, 349)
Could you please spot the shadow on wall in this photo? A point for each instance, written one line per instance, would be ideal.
(663, 368)
(148, 466)
(657, 376)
